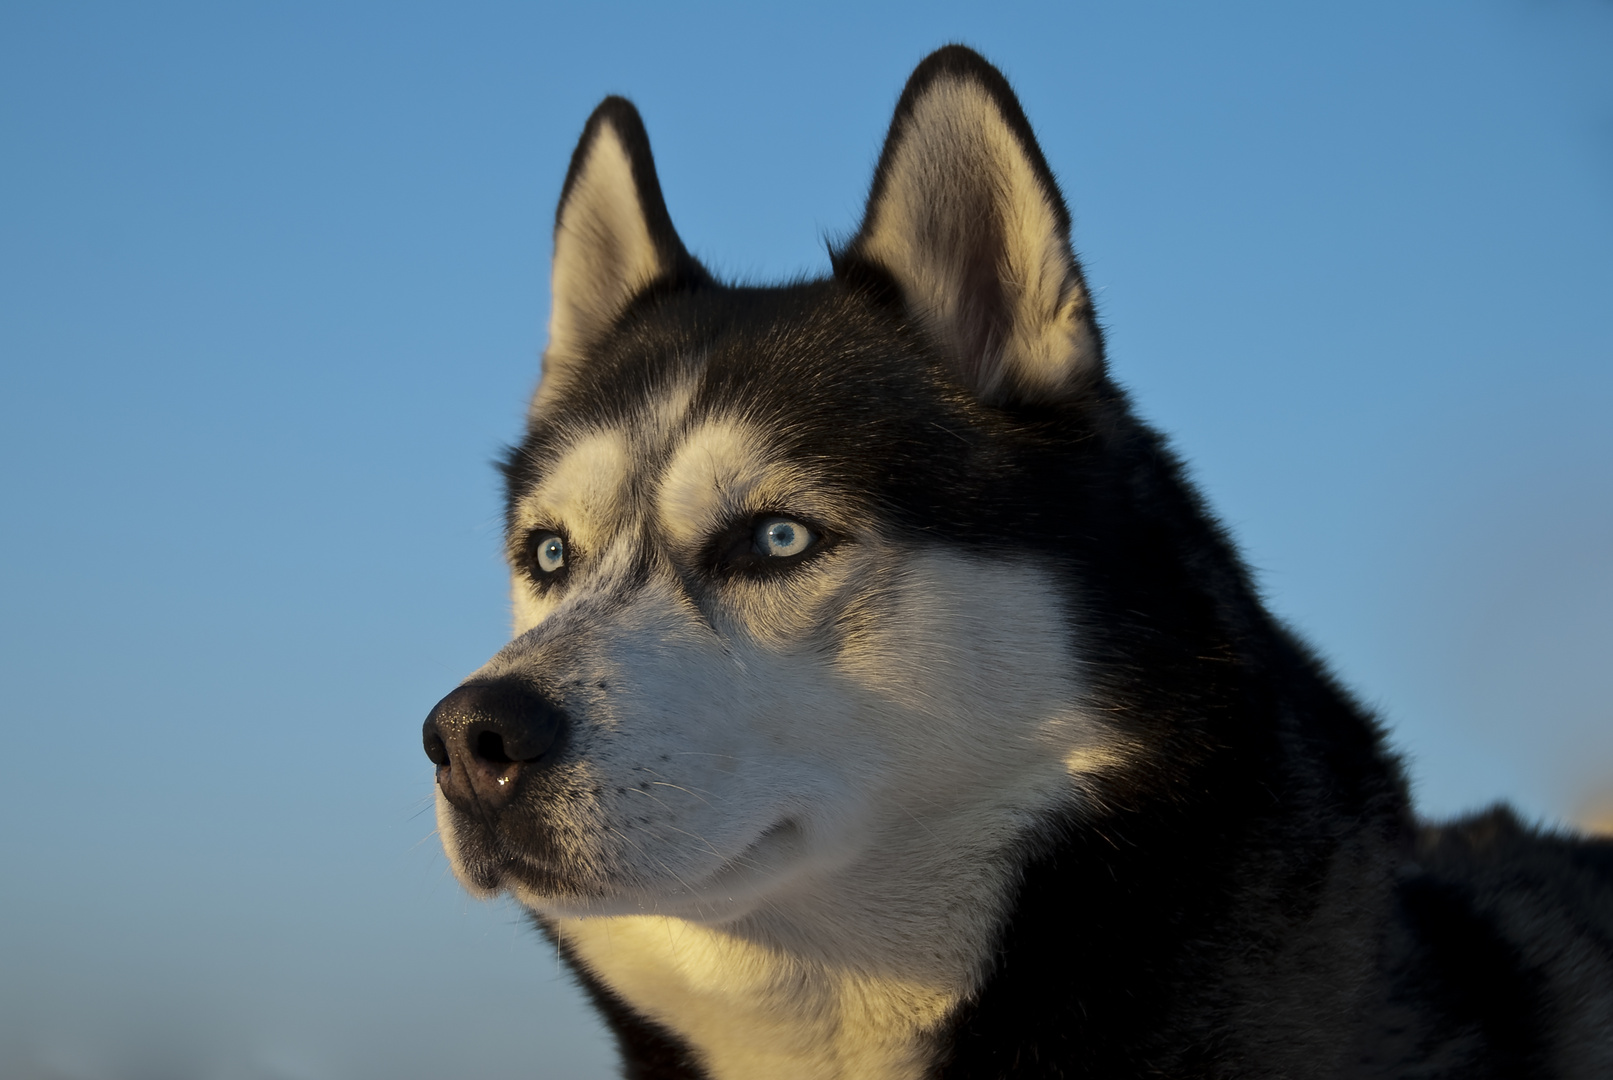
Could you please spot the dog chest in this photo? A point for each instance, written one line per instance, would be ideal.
(750, 1011)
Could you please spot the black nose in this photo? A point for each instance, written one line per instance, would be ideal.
(483, 736)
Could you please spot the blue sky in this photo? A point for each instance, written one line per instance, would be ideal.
(273, 283)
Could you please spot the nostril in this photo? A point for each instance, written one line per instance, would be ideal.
(436, 749)
(489, 747)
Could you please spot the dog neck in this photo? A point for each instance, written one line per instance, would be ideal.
(854, 977)
(748, 1010)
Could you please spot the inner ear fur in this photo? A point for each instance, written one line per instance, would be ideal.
(613, 238)
(966, 219)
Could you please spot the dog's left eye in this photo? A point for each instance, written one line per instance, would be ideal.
(781, 537)
(763, 544)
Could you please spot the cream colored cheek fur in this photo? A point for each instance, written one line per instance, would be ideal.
(952, 686)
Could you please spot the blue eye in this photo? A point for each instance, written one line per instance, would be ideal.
(780, 537)
(548, 552)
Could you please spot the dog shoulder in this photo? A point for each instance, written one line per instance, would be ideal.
(1506, 935)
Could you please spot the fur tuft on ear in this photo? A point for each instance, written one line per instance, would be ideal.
(966, 219)
(613, 237)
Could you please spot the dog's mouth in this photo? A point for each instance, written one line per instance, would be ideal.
(734, 887)
(778, 846)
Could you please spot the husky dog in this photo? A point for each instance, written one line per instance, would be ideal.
(884, 704)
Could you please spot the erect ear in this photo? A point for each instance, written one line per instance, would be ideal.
(966, 219)
(613, 237)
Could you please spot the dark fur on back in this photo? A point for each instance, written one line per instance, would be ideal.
(1254, 898)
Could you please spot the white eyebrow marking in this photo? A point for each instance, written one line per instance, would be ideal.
(712, 477)
(586, 492)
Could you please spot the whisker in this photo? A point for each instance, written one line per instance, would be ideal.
(680, 787)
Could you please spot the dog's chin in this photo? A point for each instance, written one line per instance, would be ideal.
(481, 872)
(734, 888)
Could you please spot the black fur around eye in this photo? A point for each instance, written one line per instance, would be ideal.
(765, 543)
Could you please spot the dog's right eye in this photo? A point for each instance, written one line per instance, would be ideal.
(548, 550)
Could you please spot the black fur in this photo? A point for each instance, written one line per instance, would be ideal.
(649, 1051)
(1255, 898)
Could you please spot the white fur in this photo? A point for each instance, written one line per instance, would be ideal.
(950, 730)
(753, 1011)
(794, 810)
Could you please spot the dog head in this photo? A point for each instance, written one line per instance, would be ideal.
(794, 569)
